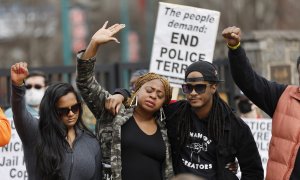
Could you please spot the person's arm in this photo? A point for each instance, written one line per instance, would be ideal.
(5, 130)
(247, 154)
(114, 102)
(265, 94)
(26, 125)
(92, 92)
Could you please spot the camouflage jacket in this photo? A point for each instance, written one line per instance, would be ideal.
(108, 128)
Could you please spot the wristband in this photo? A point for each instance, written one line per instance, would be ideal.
(234, 47)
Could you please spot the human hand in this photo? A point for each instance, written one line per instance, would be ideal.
(113, 103)
(232, 166)
(232, 35)
(104, 35)
(18, 73)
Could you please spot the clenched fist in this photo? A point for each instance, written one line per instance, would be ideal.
(18, 73)
(232, 35)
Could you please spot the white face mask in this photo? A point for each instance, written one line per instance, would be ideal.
(34, 96)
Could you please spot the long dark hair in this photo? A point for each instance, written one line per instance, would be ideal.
(52, 145)
(216, 120)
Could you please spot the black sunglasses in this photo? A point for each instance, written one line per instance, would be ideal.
(36, 86)
(65, 111)
(199, 88)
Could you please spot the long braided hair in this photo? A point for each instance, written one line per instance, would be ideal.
(149, 77)
(216, 120)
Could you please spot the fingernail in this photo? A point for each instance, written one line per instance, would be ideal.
(123, 25)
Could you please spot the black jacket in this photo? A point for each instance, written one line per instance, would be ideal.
(237, 142)
(262, 92)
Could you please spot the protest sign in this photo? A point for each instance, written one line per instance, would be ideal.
(183, 35)
(262, 133)
(12, 164)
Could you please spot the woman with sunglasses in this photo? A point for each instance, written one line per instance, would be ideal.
(134, 143)
(205, 135)
(57, 145)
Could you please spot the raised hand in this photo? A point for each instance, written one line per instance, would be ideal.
(102, 36)
(18, 73)
(232, 35)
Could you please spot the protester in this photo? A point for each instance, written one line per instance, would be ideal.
(35, 84)
(246, 108)
(57, 145)
(134, 143)
(5, 130)
(204, 133)
(281, 102)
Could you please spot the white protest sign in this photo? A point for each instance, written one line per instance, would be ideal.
(183, 35)
(262, 133)
(12, 165)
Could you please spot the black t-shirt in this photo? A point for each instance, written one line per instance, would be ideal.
(142, 155)
(199, 155)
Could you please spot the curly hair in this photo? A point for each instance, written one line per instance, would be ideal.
(149, 77)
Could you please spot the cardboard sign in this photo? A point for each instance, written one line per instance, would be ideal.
(12, 164)
(262, 133)
(183, 35)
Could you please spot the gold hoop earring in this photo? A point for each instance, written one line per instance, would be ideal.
(135, 103)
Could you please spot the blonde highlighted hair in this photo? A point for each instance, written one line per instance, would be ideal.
(149, 77)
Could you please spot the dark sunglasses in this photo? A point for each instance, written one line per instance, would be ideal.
(36, 86)
(65, 111)
(199, 88)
